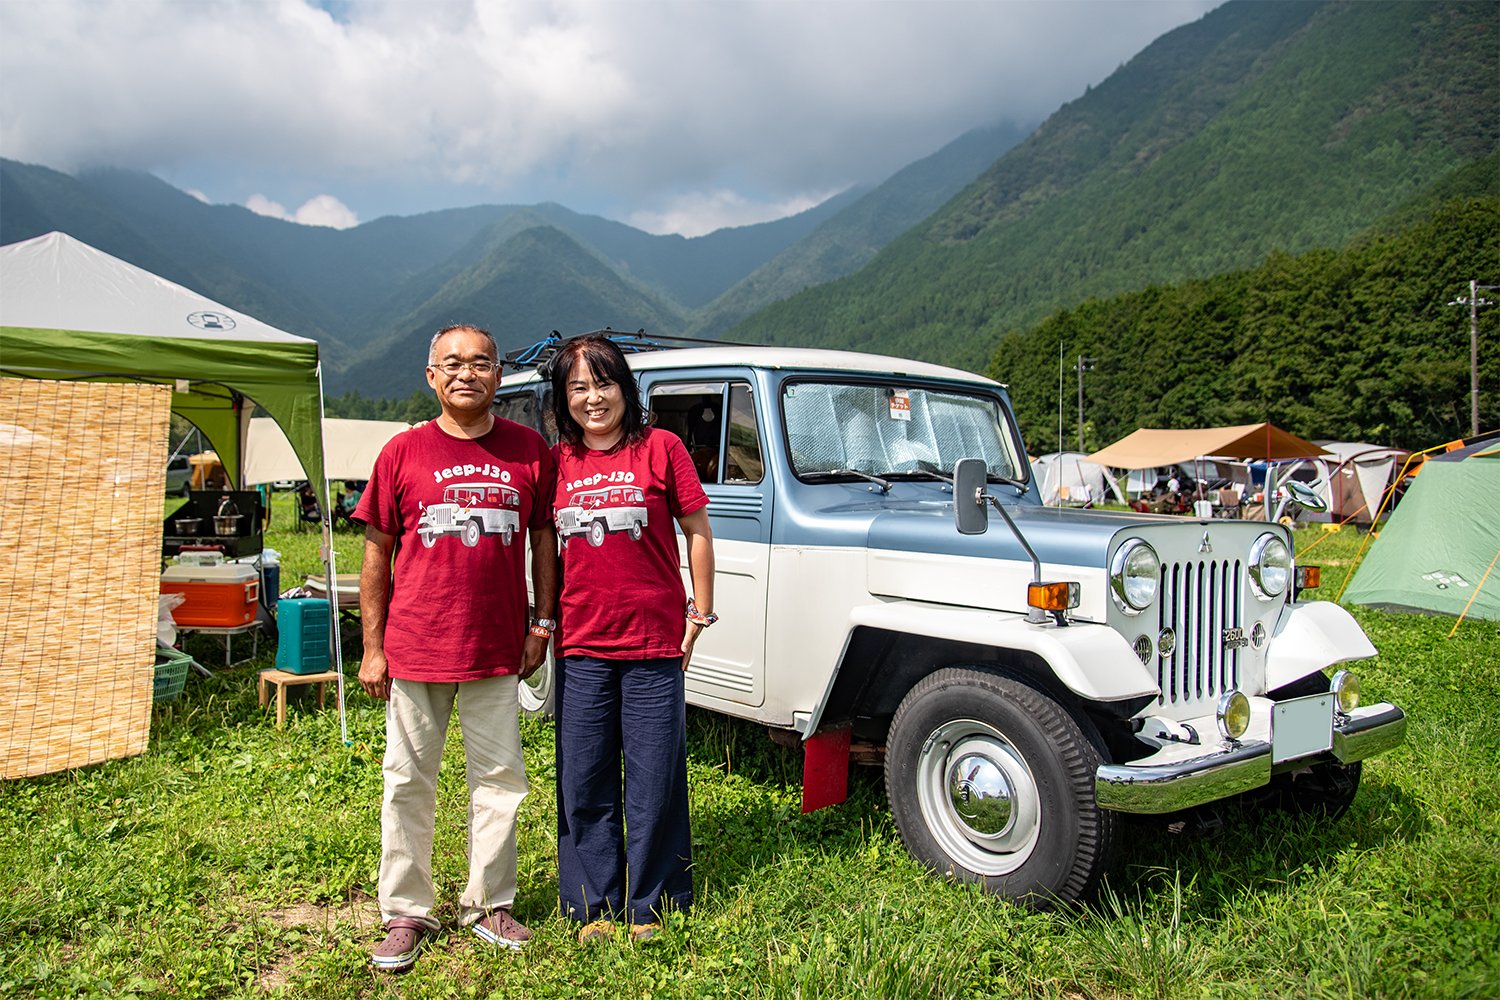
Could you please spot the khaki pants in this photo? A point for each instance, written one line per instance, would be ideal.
(416, 725)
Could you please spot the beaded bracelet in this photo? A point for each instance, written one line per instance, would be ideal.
(698, 619)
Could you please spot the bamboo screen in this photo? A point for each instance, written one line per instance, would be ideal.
(81, 495)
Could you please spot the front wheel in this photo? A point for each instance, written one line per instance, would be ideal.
(596, 534)
(991, 781)
(470, 533)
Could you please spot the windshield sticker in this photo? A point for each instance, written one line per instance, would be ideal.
(900, 404)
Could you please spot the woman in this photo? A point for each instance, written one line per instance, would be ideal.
(623, 643)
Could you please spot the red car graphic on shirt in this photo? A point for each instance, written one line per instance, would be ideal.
(597, 512)
(472, 510)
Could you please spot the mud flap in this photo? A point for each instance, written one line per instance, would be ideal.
(825, 769)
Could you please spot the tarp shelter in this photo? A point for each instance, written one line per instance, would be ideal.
(350, 448)
(1440, 549)
(70, 312)
(1068, 477)
(1148, 447)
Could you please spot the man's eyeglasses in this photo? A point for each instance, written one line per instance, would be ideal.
(453, 369)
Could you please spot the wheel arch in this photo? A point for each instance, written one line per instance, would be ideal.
(1088, 668)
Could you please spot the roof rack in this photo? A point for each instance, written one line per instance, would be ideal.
(541, 353)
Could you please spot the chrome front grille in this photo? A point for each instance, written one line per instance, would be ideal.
(1199, 600)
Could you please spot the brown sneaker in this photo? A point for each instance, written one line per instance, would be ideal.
(498, 927)
(597, 930)
(641, 933)
(403, 940)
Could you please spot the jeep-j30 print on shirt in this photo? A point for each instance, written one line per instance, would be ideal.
(471, 511)
(596, 512)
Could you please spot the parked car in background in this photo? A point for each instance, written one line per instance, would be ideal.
(179, 473)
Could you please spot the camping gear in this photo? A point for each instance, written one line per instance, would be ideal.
(236, 533)
(1439, 551)
(350, 448)
(303, 625)
(71, 312)
(222, 596)
(171, 674)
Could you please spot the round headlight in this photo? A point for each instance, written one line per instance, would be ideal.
(1135, 576)
(1233, 715)
(1345, 688)
(1270, 566)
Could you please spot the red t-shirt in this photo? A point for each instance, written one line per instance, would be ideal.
(622, 594)
(459, 510)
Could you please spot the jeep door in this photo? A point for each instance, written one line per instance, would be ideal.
(720, 423)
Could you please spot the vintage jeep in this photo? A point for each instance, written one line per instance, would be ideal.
(1027, 673)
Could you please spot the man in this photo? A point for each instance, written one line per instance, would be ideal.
(442, 594)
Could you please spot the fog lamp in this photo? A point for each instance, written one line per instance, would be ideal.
(1345, 688)
(1053, 596)
(1233, 714)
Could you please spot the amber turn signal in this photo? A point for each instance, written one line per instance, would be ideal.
(1308, 577)
(1053, 596)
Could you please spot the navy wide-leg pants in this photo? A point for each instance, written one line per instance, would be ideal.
(624, 843)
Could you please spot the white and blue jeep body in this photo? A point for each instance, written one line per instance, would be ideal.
(853, 613)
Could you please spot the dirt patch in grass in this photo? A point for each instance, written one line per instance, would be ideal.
(361, 914)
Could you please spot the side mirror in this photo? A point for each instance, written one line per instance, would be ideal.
(1305, 495)
(970, 477)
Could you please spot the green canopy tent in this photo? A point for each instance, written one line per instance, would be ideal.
(71, 312)
(1440, 549)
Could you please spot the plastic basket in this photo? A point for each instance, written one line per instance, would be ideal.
(171, 674)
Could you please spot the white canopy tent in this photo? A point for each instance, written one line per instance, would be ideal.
(350, 448)
(1068, 477)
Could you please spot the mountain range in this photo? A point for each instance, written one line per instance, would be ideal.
(1261, 128)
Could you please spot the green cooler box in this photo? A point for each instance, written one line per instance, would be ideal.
(302, 623)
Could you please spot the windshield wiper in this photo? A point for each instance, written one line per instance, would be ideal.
(885, 486)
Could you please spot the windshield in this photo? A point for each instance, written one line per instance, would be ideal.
(888, 430)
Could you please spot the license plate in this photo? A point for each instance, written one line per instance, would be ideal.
(1301, 726)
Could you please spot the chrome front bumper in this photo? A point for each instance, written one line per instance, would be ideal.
(1148, 787)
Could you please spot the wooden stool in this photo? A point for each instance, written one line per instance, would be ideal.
(283, 680)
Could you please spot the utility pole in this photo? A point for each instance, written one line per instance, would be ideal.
(1084, 365)
(1473, 301)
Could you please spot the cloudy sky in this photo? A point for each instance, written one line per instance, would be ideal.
(670, 116)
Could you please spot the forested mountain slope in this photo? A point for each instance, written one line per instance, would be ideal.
(1358, 344)
(1261, 128)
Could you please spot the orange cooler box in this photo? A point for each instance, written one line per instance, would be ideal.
(220, 596)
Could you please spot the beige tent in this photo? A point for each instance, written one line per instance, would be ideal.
(1148, 448)
(349, 449)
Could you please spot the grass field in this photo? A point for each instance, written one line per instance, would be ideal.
(233, 859)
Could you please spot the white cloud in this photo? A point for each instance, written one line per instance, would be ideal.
(199, 195)
(703, 212)
(324, 210)
(623, 108)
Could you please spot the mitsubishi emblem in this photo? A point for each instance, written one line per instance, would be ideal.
(1205, 546)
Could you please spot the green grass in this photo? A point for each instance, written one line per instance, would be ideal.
(233, 859)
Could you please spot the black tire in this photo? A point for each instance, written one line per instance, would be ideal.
(1323, 790)
(1045, 842)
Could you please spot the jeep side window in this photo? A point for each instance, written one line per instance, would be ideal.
(531, 406)
(742, 461)
(716, 421)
